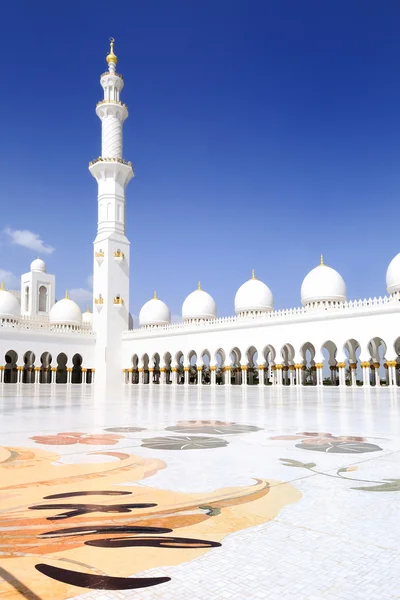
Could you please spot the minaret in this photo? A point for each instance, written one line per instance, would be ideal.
(111, 246)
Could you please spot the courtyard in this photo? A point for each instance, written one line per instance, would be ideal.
(199, 492)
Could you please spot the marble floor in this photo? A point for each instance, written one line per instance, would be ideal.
(199, 493)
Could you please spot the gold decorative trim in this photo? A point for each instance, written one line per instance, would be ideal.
(119, 103)
(119, 254)
(341, 365)
(99, 300)
(118, 300)
(99, 254)
(105, 159)
(319, 365)
(213, 368)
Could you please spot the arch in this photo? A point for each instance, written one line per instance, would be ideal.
(192, 360)
(287, 354)
(42, 304)
(352, 350)
(307, 352)
(206, 363)
(45, 368)
(330, 372)
(167, 358)
(28, 374)
(220, 358)
(10, 368)
(252, 365)
(179, 361)
(377, 349)
(62, 374)
(76, 375)
(269, 354)
(145, 365)
(135, 368)
(155, 362)
(236, 373)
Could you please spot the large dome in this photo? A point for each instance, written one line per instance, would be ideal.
(255, 296)
(154, 312)
(393, 276)
(199, 305)
(323, 284)
(38, 265)
(66, 312)
(9, 305)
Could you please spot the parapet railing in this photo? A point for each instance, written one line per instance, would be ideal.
(42, 323)
(362, 305)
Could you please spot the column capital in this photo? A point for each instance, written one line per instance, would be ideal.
(319, 365)
(341, 365)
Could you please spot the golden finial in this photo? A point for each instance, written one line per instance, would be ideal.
(253, 275)
(199, 286)
(155, 295)
(322, 261)
(88, 309)
(66, 295)
(2, 286)
(111, 58)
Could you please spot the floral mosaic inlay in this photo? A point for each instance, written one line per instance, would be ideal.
(326, 442)
(213, 427)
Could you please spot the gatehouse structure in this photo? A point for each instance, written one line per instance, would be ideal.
(329, 340)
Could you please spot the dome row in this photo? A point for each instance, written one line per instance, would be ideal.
(322, 285)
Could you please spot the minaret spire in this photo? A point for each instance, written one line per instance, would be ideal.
(111, 273)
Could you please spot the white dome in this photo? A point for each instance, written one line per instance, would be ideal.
(323, 284)
(87, 317)
(253, 295)
(199, 305)
(393, 275)
(38, 265)
(9, 305)
(66, 312)
(154, 312)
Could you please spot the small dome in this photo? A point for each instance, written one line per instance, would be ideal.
(66, 312)
(323, 284)
(9, 305)
(393, 275)
(154, 312)
(38, 265)
(253, 295)
(111, 58)
(87, 317)
(199, 305)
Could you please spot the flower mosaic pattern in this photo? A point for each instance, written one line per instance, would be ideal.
(74, 437)
(213, 427)
(385, 485)
(186, 442)
(125, 429)
(326, 442)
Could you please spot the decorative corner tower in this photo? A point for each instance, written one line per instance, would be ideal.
(111, 246)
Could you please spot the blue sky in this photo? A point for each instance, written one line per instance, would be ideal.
(262, 134)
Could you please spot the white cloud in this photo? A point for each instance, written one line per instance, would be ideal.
(10, 280)
(28, 239)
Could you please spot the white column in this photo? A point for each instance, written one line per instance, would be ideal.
(353, 374)
(213, 371)
(261, 377)
(227, 375)
(186, 374)
(377, 376)
(244, 375)
(37, 375)
(151, 376)
(342, 374)
(1, 374)
(278, 374)
(199, 375)
(319, 367)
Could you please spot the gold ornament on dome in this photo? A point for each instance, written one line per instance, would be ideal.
(111, 57)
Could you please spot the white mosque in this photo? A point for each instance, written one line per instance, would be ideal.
(328, 340)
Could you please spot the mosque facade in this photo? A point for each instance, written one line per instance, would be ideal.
(328, 340)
